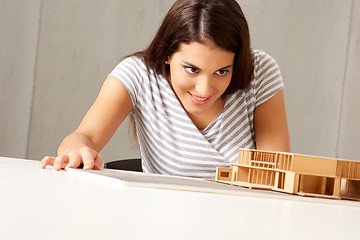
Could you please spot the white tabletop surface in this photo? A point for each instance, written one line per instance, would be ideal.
(44, 204)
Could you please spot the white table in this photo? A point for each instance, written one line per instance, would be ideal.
(44, 204)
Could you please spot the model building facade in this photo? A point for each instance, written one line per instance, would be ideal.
(294, 173)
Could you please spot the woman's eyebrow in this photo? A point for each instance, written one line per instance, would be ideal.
(190, 65)
(229, 66)
(193, 66)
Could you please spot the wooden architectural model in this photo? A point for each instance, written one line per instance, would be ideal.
(294, 173)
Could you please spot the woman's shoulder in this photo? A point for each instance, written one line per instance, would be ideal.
(267, 78)
(261, 56)
(263, 63)
(131, 69)
(133, 60)
(132, 65)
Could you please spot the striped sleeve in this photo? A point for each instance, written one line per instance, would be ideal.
(268, 79)
(130, 72)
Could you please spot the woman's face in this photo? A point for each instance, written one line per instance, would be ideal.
(199, 74)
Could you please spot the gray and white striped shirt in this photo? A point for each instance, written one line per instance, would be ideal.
(169, 141)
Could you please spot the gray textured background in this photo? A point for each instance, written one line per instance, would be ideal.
(54, 56)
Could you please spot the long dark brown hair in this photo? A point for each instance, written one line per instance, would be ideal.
(220, 21)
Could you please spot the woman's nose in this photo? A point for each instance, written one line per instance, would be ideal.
(203, 86)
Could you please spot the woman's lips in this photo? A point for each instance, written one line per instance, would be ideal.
(199, 100)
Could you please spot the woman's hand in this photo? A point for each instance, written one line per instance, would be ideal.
(109, 110)
(73, 158)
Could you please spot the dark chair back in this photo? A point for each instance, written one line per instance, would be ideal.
(126, 164)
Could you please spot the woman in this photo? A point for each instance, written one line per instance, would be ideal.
(198, 93)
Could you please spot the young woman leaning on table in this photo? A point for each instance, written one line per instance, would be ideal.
(197, 94)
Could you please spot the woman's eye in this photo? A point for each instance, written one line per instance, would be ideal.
(222, 72)
(191, 70)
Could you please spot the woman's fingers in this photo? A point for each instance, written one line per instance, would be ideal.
(47, 161)
(99, 162)
(60, 162)
(88, 156)
(73, 159)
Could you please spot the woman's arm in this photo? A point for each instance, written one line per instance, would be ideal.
(270, 123)
(109, 110)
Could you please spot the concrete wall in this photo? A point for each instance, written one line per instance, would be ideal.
(55, 54)
(314, 42)
(19, 31)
